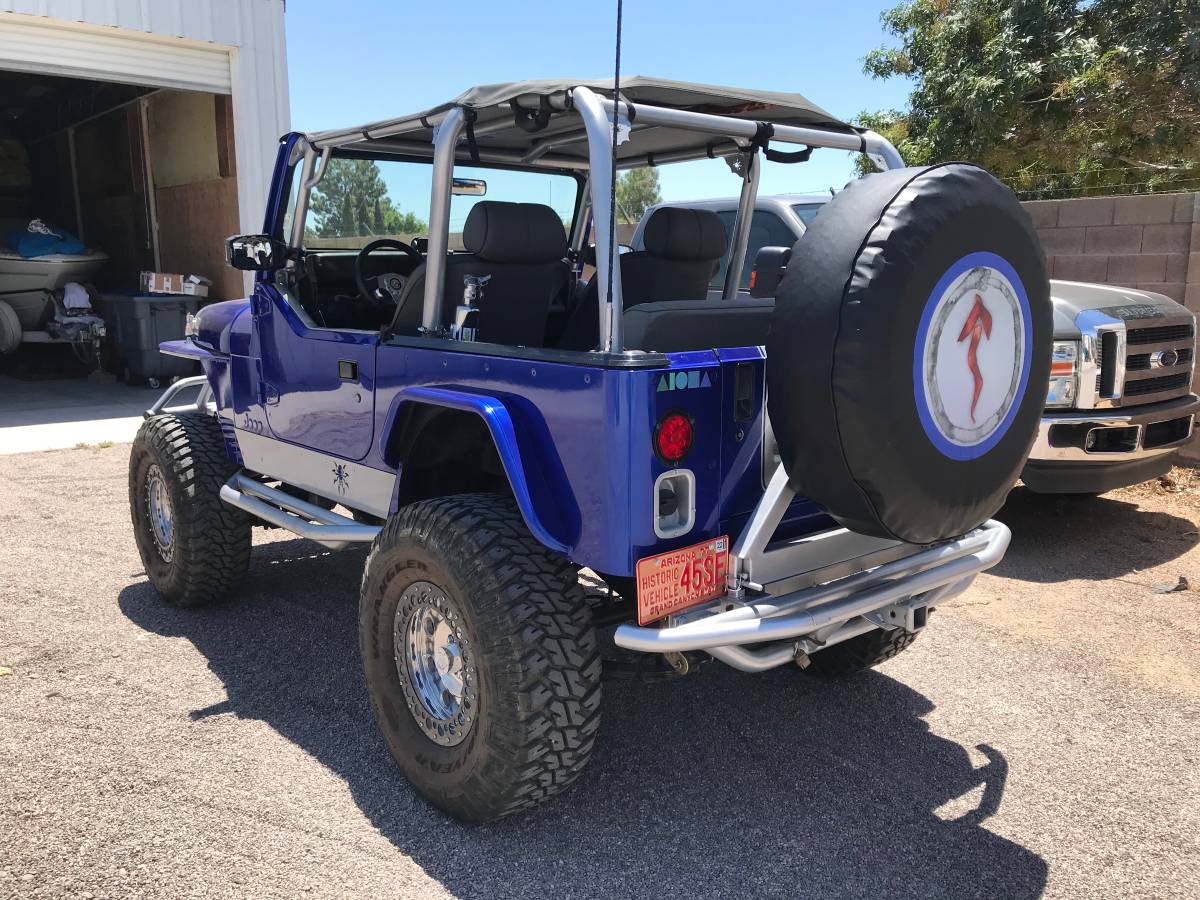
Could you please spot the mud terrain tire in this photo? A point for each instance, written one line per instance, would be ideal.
(521, 722)
(181, 459)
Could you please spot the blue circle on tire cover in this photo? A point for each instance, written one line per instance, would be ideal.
(971, 356)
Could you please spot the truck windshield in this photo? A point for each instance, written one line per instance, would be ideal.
(360, 200)
(806, 212)
(766, 230)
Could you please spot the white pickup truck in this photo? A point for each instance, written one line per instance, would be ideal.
(1119, 404)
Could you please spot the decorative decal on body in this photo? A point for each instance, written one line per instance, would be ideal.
(970, 361)
(341, 478)
(682, 381)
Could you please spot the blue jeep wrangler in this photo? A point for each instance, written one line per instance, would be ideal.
(491, 422)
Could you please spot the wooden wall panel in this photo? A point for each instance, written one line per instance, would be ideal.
(193, 222)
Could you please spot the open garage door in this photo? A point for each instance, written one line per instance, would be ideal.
(82, 51)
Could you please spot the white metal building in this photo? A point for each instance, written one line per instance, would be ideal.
(173, 52)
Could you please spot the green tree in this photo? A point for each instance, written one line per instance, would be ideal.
(403, 223)
(637, 191)
(1056, 97)
(352, 201)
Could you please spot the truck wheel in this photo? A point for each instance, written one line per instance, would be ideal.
(194, 545)
(863, 652)
(480, 658)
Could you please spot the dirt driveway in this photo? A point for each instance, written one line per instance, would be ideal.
(1041, 737)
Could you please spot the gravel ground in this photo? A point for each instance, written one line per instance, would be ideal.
(1041, 737)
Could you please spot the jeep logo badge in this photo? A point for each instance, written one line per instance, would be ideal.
(970, 364)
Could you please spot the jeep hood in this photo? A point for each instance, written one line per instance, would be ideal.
(1073, 297)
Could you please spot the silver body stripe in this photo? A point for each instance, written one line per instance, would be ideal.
(348, 483)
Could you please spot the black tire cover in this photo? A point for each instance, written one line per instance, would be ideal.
(909, 352)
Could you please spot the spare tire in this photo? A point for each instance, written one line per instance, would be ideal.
(909, 352)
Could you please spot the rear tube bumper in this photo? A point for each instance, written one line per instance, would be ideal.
(808, 620)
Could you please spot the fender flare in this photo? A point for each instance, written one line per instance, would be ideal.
(498, 420)
(189, 349)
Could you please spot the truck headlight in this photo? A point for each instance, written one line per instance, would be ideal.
(1064, 376)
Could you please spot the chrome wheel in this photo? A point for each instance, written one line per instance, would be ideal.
(435, 665)
(159, 512)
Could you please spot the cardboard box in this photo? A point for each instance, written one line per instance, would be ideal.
(168, 283)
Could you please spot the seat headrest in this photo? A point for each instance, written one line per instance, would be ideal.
(514, 232)
(678, 233)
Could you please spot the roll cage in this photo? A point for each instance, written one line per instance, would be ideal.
(537, 125)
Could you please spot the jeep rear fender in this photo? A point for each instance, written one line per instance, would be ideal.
(543, 499)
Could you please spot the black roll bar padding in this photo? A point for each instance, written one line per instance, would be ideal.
(762, 135)
(469, 116)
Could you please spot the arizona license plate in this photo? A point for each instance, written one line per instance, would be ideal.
(671, 582)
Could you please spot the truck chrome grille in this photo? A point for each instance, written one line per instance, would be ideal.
(1157, 366)
(1140, 362)
(1158, 385)
(1161, 334)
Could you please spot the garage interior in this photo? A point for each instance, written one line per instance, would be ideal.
(144, 175)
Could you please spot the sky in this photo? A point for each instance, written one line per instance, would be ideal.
(356, 61)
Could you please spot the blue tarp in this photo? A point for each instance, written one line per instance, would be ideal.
(38, 239)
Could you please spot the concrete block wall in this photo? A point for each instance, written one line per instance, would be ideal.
(1147, 241)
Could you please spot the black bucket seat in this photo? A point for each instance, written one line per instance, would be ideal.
(523, 248)
(683, 249)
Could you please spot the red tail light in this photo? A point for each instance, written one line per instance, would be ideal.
(673, 437)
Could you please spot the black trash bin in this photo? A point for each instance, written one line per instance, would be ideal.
(137, 323)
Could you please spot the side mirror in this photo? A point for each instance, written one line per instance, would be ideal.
(769, 265)
(255, 252)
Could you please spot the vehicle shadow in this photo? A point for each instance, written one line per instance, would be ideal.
(1051, 533)
(718, 784)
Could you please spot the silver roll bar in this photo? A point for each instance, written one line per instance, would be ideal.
(596, 118)
(311, 173)
(445, 141)
(486, 155)
(752, 168)
(861, 142)
(598, 114)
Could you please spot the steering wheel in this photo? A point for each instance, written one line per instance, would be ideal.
(383, 289)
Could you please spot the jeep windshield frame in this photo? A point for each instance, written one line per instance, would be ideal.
(567, 126)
